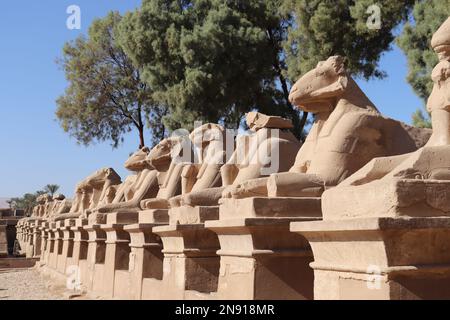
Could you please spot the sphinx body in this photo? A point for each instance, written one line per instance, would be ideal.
(413, 184)
(348, 132)
(164, 158)
(270, 148)
(209, 142)
(90, 192)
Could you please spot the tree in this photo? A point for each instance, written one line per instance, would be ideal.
(27, 202)
(105, 97)
(207, 60)
(342, 27)
(214, 60)
(415, 42)
(51, 189)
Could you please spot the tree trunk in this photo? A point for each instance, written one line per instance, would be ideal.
(141, 137)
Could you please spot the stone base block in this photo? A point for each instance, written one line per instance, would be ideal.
(3, 242)
(261, 259)
(193, 215)
(380, 258)
(270, 207)
(159, 216)
(190, 260)
(146, 260)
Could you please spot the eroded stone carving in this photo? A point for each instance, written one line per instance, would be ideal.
(348, 132)
(410, 184)
(267, 147)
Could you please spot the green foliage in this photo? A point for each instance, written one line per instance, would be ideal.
(214, 60)
(324, 28)
(106, 97)
(421, 120)
(51, 189)
(27, 202)
(208, 60)
(415, 42)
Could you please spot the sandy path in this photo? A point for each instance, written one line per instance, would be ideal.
(26, 284)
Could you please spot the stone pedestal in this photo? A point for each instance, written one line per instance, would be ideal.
(117, 252)
(259, 257)
(78, 262)
(191, 264)
(260, 260)
(146, 258)
(145, 261)
(29, 241)
(42, 226)
(380, 258)
(95, 258)
(80, 241)
(3, 242)
(67, 245)
(37, 241)
(57, 241)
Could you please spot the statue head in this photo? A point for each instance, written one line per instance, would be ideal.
(207, 133)
(163, 153)
(99, 177)
(441, 40)
(440, 96)
(59, 197)
(318, 89)
(41, 199)
(138, 160)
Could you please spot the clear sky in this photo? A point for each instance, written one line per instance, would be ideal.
(35, 151)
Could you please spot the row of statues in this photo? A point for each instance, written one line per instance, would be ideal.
(348, 132)
(354, 163)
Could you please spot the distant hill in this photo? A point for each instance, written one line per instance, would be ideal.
(3, 203)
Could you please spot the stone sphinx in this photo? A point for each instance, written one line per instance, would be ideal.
(210, 143)
(406, 184)
(163, 158)
(39, 209)
(252, 156)
(141, 185)
(60, 205)
(348, 132)
(90, 192)
(389, 221)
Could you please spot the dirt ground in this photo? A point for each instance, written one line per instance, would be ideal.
(28, 284)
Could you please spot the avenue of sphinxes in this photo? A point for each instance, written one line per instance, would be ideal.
(359, 210)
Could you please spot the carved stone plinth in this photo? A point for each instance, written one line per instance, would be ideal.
(380, 258)
(260, 259)
(64, 258)
(270, 207)
(96, 257)
(191, 265)
(3, 242)
(37, 242)
(145, 261)
(117, 252)
(193, 215)
(80, 241)
(57, 246)
(42, 227)
(258, 252)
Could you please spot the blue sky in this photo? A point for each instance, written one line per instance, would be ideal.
(35, 151)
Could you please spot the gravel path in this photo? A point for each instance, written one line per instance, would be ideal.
(26, 284)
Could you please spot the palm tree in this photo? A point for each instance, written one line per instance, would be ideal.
(51, 189)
